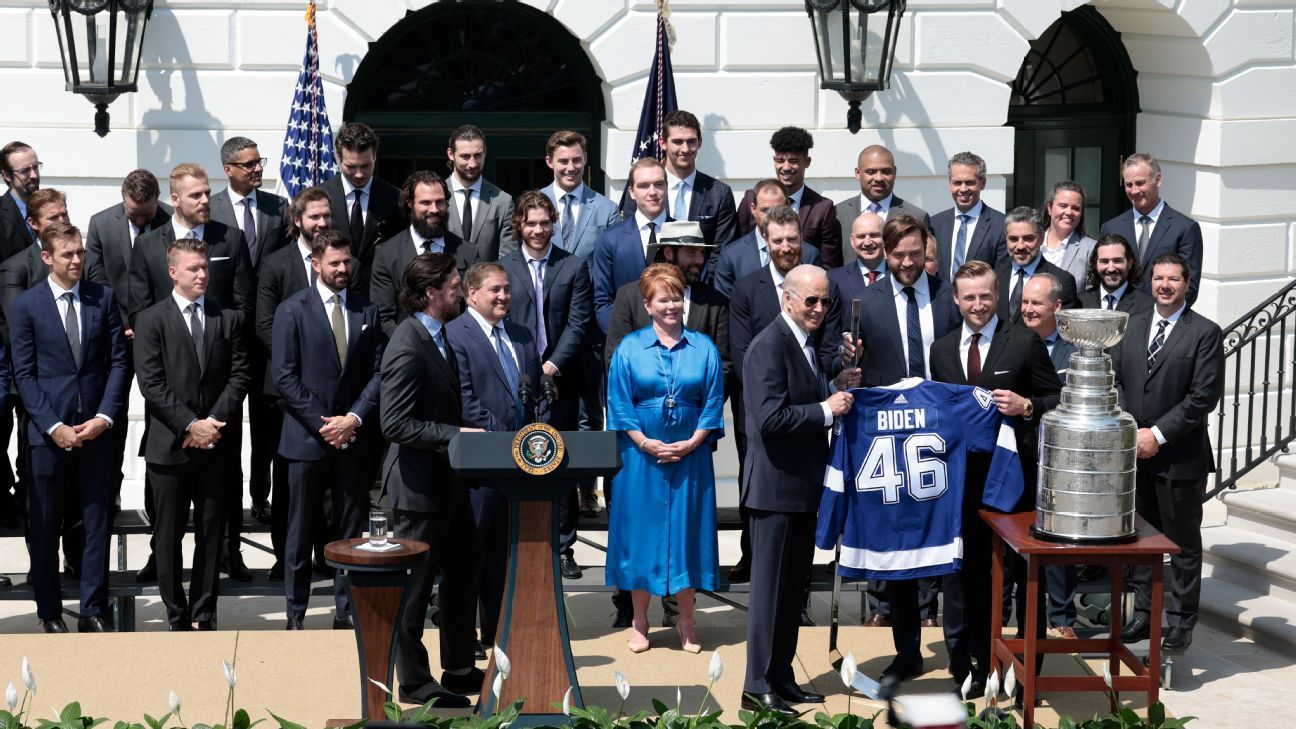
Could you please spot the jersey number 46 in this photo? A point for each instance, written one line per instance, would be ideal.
(923, 476)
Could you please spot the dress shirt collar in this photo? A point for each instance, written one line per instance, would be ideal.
(326, 294)
(59, 290)
(865, 270)
(1119, 293)
(920, 287)
(973, 212)
(774, 274)
(1155, 215)
(487, 328)
(884, 205)
(802, 336)
(641, 220)
(348, 188)
(456, 185)
(987, 331)
(184, 303)
(528, 256)
(303, 249)
(1030, 268)
(182, 232)
(438, 244)
(1051, 339)
(672, 182)
(429, 322)
(1173, 318)
(236, 199)
(577, 192)
(794, 198)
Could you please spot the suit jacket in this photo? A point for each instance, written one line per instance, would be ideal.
(1061, 356)
(568, 303)
(787, 441)
(597, 214)
(108, 249)
(1132, 302)
(708, 314)
(752, 307)
(1004, 272)
(711, 205)
(283, 273)
(1075, 256)
(492, 229)
(741, 258)
(1174, 232)
(179, 389)
(849, 284)
(383, 220)
(488, 400)
(53, 387)
(819, 224)
(389, 264)
(618, 260)
(231, 283)
(311, 380)
(1178, 395)
(19, 273)
(849, 209)
(14, 233)
(987, 241)
(882, 360)
(272, 219)
(420, 410)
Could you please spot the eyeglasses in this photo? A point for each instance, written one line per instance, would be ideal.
(28, 170)
(811, 301)
(251, 164)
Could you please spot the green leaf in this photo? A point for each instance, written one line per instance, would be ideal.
(1156, 715)
(283, 723)
(1066, 722)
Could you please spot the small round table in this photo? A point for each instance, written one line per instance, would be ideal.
(375, 584)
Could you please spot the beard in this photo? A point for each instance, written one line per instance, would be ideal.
(429, 228)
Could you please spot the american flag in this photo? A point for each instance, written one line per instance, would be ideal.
(308, 143)
(659, 97)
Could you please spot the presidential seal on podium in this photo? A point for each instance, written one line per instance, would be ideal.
(538, 449)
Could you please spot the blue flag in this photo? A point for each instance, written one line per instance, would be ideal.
(659, 100)
(308, 143)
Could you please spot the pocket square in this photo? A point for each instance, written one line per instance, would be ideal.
(219, 258)
(364, 327)
(1002, 372)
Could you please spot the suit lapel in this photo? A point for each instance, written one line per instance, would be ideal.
(803, 365)
(89, 304)
(979, 234)
(355, 325)
(315, 309)
(1003, 335)
(485, 347)
(211, 328)
(1158, 232)
(1177, 334)
(180, 327)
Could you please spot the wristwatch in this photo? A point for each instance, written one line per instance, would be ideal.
(1030, 409)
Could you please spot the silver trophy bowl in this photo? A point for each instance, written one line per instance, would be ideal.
(1087, 460)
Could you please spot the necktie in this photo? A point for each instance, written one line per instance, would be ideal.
(339, 329)
(874, 208)
(917, 363)
(1111, 302)
(440, 340)
(1157, 342)
(652, 241)
(681, 203)
(195, 331)
(567, 223)
(357, 220)
(73, 329)
(1014, 300)
(192, 235)
(974, 360)
(872, 277)
(249, 227)
(542, 337)
(511, 374)
(427, 246)
(764, 256)
(960, 245)
(466, 217)
(1145, 225)
(809, 353)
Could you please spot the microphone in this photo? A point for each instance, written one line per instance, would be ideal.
(525, 397)
(549, 388)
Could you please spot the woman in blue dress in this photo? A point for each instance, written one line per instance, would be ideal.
(665, 398)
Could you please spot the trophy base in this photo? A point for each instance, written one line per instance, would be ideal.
(1050, 537)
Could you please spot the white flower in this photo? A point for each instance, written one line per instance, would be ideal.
(716, 668)
(967, 687)
(381, 685)
(567, 701)
(678, 698)
(173, 702)
(497, 685)
(622, 685)
(503, 665)
(230, 676)
(848, 669)
(992, 686)
(11, 697)
(28, 679)
(1010, 681)
(1107, 677)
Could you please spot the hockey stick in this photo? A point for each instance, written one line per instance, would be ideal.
(834, 653)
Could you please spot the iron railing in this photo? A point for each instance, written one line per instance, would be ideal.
(1257, 361)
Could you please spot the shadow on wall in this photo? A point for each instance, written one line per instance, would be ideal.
(713, 162)
(161, 144)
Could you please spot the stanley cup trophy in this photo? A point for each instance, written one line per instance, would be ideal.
(1087, 455)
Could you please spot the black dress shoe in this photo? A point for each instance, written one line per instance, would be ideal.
(433, 690)
(232, 565)
(740, 572)
(479, 651)
(95, 624)
(343, 623)
(570, 570)
(54, 626)
(179, 627)
(294, 624)
(789, 691)
(767, 702)
(1177, 641)
(5, 581)
(1135, 630)
(467, 683)
(806, 620)
(149, 572)
(623, 620)
(275, 573)
(902, 670)
(261, 511)
(206, 625)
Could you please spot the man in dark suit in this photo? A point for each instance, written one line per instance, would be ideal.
(327, 351)
(1024, 235)
(421, 410)
(789, 408)
(1154, 227)
(21, 170)
(424, 201)
(971, 230)
(870, 264)
(1170, 376)
(1012, 363)
(362, 205)
(553, 301)
(1114, 278)
(690, 194)
(583, 214)
(820, 228)
(494, 357)
(284, 273)
(621, 253)
(480, 212)
(69, 356)
(876, 172)
(741, 257)
(193, 374)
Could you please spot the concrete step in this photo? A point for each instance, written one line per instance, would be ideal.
(1233, 609)
(1261, 564)
(1269, 514)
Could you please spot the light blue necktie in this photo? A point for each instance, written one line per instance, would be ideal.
(764, 255)
(681, 203)
(542, 337)
(567, 223)
(960, 244)
(511, 374)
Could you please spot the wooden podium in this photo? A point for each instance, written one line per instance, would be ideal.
(532, 629)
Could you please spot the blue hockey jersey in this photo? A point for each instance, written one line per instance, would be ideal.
(893, 490)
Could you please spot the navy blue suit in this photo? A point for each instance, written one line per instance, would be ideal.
(55, 389)
(618, 259)
(987, 242)
(490, 403)
(849, 283)
(1174, 232)
(313, 385)
(740, 258)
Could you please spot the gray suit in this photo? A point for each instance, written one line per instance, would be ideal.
(1075, 256)
(388, 273)
(597, 214)
(492, 228)
(108, 248)
(849, 209)
(271, 221)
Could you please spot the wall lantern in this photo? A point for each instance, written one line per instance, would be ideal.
(856, 41)
(101, 41)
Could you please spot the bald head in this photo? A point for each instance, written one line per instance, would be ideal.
(866, 239)
(876, 172)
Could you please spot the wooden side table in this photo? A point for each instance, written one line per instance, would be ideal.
(375, 584)
(1149, 548)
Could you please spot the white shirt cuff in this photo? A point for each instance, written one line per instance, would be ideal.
(359, 421)
(827, 413)
(1156, 433)
(106, 419)
(53, 428)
